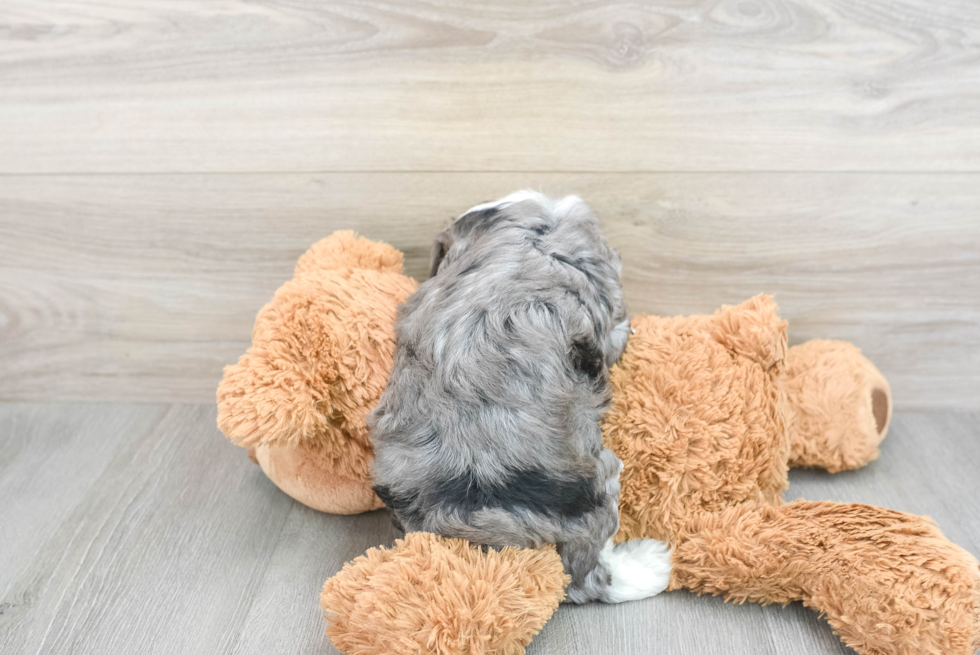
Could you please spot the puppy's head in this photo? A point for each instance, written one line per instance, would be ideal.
(480, 218)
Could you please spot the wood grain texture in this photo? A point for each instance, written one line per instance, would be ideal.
(142, 287)
(138, 529)
(262, 85)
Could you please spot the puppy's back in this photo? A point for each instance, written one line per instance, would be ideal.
(499, 376)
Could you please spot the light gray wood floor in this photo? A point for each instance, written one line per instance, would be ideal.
(129, 528)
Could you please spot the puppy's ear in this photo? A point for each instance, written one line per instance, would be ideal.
(440, 247)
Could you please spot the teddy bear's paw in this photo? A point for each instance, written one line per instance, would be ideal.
(639, 568)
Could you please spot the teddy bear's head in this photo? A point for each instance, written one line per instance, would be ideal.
(320, 357)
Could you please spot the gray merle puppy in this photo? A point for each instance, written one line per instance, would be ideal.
(488, 429)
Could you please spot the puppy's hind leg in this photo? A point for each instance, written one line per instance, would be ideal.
(639, 568)
(614, 573)
(601, 570)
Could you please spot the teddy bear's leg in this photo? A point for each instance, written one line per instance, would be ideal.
(839, 406)
(889, 583)
(429, 594)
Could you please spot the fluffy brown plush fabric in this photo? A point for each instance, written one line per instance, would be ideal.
(428, 594)
(320, 357)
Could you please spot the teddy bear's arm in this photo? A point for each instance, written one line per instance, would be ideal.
(889, 583)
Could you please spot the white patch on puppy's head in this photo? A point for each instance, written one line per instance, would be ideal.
(517, 196)
(558, 206)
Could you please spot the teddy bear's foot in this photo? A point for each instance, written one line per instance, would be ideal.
(428, 594)
(839, 405)
(889, 583)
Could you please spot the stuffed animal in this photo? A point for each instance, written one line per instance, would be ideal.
(708, 414)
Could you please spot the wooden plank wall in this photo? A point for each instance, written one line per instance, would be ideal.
(163, 165)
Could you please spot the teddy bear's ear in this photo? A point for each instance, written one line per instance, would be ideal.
(345, 250)
(752, 329)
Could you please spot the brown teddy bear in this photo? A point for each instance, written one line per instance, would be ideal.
(708, 414)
